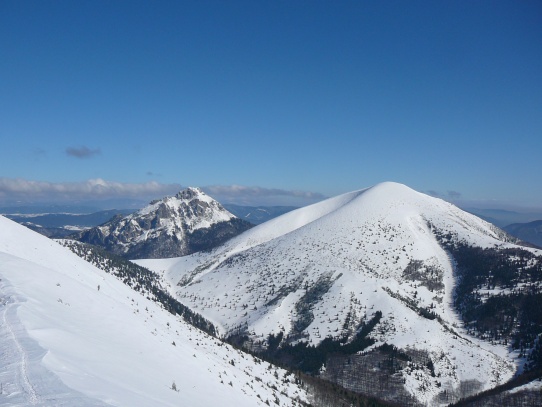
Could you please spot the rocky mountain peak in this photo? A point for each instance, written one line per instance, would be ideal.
(170, 227)
(189, 193)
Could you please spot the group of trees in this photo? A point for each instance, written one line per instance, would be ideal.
(304, 357)
(499, 296)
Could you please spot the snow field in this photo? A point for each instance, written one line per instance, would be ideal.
(109, 345)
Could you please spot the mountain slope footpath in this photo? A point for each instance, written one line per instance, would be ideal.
(372, 269)
(173, 226)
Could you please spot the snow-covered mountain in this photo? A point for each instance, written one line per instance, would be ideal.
(173, 226)
(374, 265)
(73, 335)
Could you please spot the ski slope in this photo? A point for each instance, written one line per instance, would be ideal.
(72, 335)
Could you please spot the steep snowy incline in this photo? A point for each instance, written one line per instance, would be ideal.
(324, 270)
(73, 335)
(289, 222)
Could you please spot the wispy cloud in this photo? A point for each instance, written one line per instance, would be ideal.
(82, 152)
(17, 188)
(14, 189)
(239, 190)
(259, 195)
(454, 195)
(449, 195)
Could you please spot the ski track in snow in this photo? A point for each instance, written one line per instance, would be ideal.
(23, 380)
(64, 343)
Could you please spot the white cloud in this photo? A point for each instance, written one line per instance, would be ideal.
(450, 195)
(261, 196)
(18, 189)
(239, 190)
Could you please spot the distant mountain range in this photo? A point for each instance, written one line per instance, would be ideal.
(61, 220)
(52, 222)
(502, 218)
(258, 214)
(529, 232)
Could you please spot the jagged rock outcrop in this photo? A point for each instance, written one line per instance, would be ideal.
(174, 226)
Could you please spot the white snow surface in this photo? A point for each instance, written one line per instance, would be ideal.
(360, 242)
(535, 385)
(73, 335)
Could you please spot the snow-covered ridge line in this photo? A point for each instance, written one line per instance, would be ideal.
(271, 280)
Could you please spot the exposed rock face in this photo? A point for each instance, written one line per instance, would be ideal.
(175, 226)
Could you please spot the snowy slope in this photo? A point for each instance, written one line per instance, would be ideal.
(322, 270)
(169, 227)
(74, 335)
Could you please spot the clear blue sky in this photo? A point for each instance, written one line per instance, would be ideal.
(317, 96)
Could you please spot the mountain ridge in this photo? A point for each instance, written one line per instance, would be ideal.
(324, 271)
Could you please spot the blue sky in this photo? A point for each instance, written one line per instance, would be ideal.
(271, 101)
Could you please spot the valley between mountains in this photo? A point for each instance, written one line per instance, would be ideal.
(383, 295)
